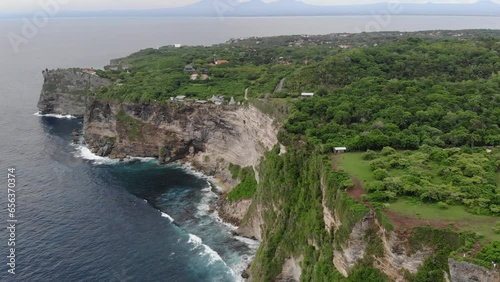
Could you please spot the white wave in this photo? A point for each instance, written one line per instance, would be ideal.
(143, 160)
(55, 116)
(240, 268)
(187, 167)
(213, 255)
(85, 153)
(195, 240)
(167, 216)
(252, 244)
(246, 259)
(203, 207)
(215, 216)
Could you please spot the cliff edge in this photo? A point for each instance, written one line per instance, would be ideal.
(68, 91)
(206, 135)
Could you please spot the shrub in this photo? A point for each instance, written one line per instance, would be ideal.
(244, 190)
(399, 163)
(374, 186)
(442, 205)
(380, 174)
(393, 184)
(366, 273)
(380, 196)
(378, 163)
(496, 228)
(490, 253)
(386, 151)
(347, 184)
(369, 155)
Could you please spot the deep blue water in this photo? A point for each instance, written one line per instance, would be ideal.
(82, 220)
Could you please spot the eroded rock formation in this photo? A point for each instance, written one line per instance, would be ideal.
(68, 91)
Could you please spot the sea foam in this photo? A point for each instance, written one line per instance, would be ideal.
(85, 153)
(195, 240)
(167, 216)
(54, 116)
(212, 255)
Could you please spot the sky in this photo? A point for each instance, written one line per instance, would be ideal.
(8, 6)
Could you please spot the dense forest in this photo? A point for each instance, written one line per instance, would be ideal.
(403, 95)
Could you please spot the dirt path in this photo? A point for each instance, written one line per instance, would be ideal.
(357, 192)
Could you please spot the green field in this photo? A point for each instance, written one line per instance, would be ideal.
(411, 176)
(456, 214)
(354, 165)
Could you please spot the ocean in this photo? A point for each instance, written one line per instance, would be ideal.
(84, 218)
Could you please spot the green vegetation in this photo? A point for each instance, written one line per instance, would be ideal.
(387, 96)
(291, 185)
(276, 108)
(443, 176)
(248, 185)
(490, 253)
(134, 129)
(443, 241)
(366, 273)
(457, 215)
(158, 74)
(354, 165)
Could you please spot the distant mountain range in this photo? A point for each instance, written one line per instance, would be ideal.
(256, 8)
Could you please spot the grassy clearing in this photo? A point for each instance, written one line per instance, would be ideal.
(457, 176)
(414, 207)
(354, 165)
(467, 221)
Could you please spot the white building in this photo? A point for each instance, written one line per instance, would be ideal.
(305, 94)
(339, 150)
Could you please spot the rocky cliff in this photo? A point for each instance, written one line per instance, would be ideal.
(206, 135)
(461, 271)
(68, 91)
(394, 258)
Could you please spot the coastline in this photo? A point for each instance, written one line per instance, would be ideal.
(216, 193)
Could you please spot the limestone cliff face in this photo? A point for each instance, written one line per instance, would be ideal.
(395, 260)
(461, 271)
(234, 211)
(208, 136)
(291, 270)
(68, 91)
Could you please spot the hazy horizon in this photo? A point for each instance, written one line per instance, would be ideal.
(218, 8)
